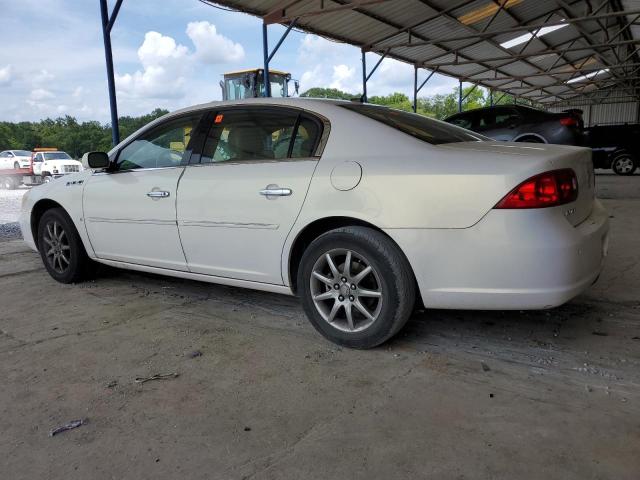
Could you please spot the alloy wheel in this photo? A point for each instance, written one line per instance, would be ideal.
(346, 290)
(58, 250)
(623, 164)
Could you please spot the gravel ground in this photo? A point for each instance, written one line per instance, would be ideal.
(10, 231)
(10, 201)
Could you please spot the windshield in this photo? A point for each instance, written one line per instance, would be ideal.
(418, 126)
(21, 153)
(240, 87)
(278, 85)
(56, 156)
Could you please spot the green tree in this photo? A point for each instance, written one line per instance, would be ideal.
(394, 100)
(334, 93)
(67, 134)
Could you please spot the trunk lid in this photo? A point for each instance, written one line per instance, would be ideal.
(526, 160)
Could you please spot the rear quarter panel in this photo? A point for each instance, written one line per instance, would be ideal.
(410, 184)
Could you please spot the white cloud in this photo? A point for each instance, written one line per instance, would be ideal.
(211, 47)
(166, 65)
(337, 65)
(328, 64)
(43, 76)
(40, 94)
(6, 75)
(343, 77)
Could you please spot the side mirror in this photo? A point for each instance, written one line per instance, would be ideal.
(95, 160)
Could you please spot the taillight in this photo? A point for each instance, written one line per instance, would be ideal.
(569, 121)
(548, 189)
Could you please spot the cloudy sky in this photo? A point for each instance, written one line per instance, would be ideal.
(168, 53)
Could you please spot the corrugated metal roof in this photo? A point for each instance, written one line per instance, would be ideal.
(466, 39)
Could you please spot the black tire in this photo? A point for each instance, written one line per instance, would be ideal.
(624, 163)
(9, 183)
(46, 178)
(78, 265)
(16, 165)
(393, 272)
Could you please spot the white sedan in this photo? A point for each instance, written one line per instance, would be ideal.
(360, 210)
(15, 159)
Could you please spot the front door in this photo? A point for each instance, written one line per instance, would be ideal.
(130, 210)
(237, 205)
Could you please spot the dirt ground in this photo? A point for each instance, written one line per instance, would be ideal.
(458, 395)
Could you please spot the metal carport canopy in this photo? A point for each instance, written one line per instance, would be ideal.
(547, 51)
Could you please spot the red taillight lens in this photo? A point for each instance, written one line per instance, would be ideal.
(569, 121)
(548, 189)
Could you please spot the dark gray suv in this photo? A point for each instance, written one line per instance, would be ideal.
(516, 123)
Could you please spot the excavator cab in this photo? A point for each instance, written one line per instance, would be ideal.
(250, 84)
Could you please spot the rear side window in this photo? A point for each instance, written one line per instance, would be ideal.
(423, 128)
(259, 134)
(462, 121)
(506, 117)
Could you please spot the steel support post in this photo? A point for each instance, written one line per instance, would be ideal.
(107, 24)
(265, 51)
(364, 77)
(415, 89)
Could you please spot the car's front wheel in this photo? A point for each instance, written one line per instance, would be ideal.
(357, 288)
(61, 248)
(16, 165)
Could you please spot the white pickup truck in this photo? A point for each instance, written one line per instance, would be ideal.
(54, 164)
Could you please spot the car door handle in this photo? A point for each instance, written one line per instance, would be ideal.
(158, 194)
(276, 191)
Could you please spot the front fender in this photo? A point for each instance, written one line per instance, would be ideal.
(66, 193)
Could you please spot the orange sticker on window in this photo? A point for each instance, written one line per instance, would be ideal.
(219, 118)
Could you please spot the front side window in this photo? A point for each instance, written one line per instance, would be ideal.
(38, 158)
(423, 128)
(163, 146)
(259, 134)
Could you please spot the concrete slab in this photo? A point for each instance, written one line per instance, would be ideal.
(503, 395)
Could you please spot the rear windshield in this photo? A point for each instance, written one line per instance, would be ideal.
(56, 156)
(418, 126)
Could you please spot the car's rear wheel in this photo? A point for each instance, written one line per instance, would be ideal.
(624, 164)
(61, 248)
(357, 288)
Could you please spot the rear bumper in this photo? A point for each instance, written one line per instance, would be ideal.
(511, 259)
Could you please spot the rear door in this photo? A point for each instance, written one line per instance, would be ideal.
(238, 200)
